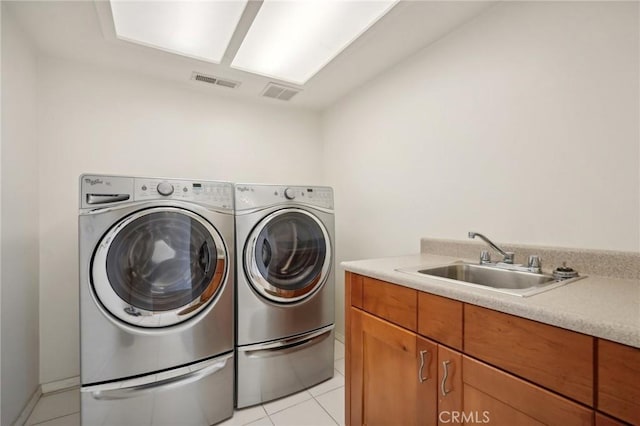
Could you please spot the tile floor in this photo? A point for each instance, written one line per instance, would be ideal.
(322, 405)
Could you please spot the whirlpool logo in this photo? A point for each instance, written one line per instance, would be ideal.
(96, 181)
(92, 181)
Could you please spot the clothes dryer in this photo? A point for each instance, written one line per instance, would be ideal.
(284, 290)
(156, 300)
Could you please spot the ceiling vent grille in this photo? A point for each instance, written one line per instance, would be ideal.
(278, 91)
(214, 80)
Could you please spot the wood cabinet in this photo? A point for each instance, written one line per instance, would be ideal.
(397, 377)
(440, 319)
(504, 399)
(449, 385)
(383, 377)
(417, 358)
(394, 375)
(558, 359)
(602, 420)
(392, 302)
(427, 398)
(619, 381)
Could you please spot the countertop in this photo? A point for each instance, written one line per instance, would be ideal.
(604, 307)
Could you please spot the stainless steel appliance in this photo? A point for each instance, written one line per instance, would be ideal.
(156, 300)
(284, 290)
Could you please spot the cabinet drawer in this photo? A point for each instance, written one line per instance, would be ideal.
(389, 301)
(552, 357)
(440, 319)
(503, 399)
(619, 381)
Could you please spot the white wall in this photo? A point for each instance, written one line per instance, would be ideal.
(101, 121)
(19, 189)
(522, 124)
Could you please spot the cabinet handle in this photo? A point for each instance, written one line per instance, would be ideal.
(420, 378)
(445, 365)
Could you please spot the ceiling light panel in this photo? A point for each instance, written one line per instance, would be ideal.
(198, 29)
(293, 40)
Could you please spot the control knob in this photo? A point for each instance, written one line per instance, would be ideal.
(165, 188)
(289, 194)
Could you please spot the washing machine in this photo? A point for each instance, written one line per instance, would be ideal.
(156, 301)
(284, 290)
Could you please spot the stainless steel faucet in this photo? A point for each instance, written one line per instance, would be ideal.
(507, 255)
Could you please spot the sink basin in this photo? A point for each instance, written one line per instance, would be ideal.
(512, 282)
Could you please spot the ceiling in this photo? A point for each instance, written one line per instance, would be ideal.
(83, 31)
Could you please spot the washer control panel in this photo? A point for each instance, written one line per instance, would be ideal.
(218, 194)
(249, 196)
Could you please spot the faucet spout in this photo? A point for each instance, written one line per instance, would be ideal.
(507, 255)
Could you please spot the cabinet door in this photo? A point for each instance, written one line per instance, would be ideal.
(619, 380)
(383, 372)
(449, 386)
(427, 382)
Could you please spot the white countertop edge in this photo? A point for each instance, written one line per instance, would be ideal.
(553, 307)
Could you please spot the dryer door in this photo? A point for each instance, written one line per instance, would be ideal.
(288, 255)
(159, 267)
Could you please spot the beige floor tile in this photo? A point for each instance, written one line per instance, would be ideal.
(339, 365)
(333, 403)
(55, 405)
(286, 402)
(308, 413)
(335, 382)
(245, 416)
(72, 420)
(265, 421)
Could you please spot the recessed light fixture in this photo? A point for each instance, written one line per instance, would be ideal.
(198, 29)
(293, 40)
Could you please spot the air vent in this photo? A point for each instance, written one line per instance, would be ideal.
(214, 80)
(278, 91)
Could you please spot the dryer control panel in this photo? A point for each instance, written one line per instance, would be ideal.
(250, 196)
(102, 191)
(218, 194)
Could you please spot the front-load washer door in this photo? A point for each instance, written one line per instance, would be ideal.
(287, 256)
(159, 267)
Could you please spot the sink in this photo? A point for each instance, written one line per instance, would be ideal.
(517, 283)
(487, 276)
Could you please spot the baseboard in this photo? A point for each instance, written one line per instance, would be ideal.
(59, 385)
(28, 408)
(339, 337)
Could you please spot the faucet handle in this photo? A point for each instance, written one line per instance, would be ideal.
(535, 265)
(508, 257)
(485, 257)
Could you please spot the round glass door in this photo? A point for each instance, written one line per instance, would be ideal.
(159, 267)
(287, 256)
